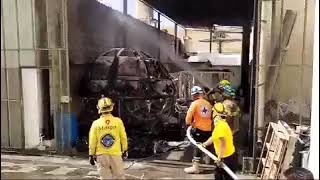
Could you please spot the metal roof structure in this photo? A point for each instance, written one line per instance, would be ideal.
(205, 13)
(217, 59)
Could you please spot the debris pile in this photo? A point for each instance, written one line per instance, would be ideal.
(291, 112)
(144, 94)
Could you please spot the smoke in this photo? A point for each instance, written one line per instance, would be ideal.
(147, 39)
(106, 28)
(95, 28)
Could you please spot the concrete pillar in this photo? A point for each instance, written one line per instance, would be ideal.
(51, 32)
(264, 59)
(60, 89)
(314, 147)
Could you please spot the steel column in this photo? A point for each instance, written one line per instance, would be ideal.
(220, 46)
(175, 38)
(125, 12)
(125, 7)
(245, 65)
(6, 77)
(254, 80)
(20, 78)
(210, 44)
(159, 33)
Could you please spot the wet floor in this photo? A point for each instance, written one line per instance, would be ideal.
(45, 167)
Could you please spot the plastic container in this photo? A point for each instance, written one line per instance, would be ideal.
(70, 129)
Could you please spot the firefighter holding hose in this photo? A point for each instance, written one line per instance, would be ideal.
(108, 142)
(199, 117)
(222, 139)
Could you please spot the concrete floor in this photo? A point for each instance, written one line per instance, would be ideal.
(59, 167)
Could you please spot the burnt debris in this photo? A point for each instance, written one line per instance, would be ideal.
(144, 95)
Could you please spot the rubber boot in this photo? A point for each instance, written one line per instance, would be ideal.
(194, 169)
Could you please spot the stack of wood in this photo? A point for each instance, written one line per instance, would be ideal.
(277, 151)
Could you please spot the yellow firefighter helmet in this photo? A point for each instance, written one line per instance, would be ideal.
(218, 109)
(224, 82)
(105, 105)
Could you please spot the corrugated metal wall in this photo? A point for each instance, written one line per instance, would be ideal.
(33, 35)
(16, 37)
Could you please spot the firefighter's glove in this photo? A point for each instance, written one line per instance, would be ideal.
(203, 145)
(125, 155)
(91, 160)
(218, 162)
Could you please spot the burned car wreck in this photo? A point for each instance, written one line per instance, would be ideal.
(144, 95)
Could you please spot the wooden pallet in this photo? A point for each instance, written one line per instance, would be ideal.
(288, 157)
(273, 151)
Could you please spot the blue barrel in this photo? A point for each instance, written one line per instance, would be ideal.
(70, 129)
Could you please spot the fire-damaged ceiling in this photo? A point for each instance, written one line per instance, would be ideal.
(204, 13)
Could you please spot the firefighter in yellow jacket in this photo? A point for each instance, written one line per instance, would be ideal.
(222, 140)
(108, 142)
(227, 97)
(231, 107)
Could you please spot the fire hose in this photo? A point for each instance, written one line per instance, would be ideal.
(224, 166)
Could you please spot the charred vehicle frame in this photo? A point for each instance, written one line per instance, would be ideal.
(144, 95)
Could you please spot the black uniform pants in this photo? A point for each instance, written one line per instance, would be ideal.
(201, 137)
(231, 162)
